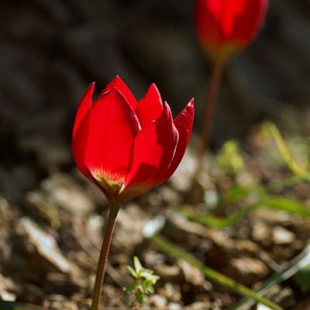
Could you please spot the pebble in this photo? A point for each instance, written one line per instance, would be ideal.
(282, 236)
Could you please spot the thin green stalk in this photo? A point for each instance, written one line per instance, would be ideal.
(275, 133)
(211, 274)
(103, 256)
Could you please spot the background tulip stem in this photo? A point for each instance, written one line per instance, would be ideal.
(103, 256)
(209, 109)
(197, 193)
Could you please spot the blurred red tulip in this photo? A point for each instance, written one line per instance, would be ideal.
(227, 26)
(126, 146)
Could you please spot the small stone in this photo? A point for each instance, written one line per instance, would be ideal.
(199, 305)
(171, 292)
(192, 274)
(62, 190)
(39, 242)
(174, 306)
(247, 270)
(158, 302)
(282, 236)
(6, 288)
(169, 273)
(261, 232)
(262, 307)
(282, 296)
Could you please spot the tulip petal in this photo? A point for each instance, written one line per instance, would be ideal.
(225, 22)
(85, 104)
(79, 144)
(253, 16)
(107, 135)
(226, 12)
(119, 84)
(184, 124)
(150, 107)
(206, 23)
(154, 148)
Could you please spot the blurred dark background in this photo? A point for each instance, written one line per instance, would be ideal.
(52, 49)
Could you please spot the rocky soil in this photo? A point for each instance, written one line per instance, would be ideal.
(52, 220)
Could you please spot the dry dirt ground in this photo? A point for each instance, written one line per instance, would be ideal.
(49, 242)
(52, 219)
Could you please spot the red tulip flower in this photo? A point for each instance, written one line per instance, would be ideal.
(227, 26)
(126, 146)
(224, 27)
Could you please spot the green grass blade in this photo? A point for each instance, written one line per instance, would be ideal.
(299, 262)
(211, 221)
(177, 252)
(285, 204)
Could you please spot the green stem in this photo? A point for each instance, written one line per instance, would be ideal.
(209, 109)
(103, 256)
(211, 274)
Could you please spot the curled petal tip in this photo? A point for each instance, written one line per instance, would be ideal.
(88, 94)
(191, 103)
(117, 78)
(154, 88)
(120, 85)
(90, 89)
(150, 107)
(189, 108)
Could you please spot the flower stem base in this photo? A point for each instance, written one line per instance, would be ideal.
(104, 256)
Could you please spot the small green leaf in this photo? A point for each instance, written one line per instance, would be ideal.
(149, 276)
(235, 193)
(132, 271)
(130, 287)
(229, 158)
(148, 288)
(141, 297)
(145, 279)
(137, 264)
